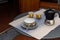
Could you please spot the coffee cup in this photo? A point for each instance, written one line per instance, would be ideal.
(29, 22)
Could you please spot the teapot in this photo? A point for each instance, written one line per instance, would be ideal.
(49, 14)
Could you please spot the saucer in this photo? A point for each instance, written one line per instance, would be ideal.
(29, 28)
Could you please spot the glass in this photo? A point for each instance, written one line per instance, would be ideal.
(31, 14)
(38, 16)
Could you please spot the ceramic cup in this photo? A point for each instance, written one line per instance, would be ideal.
(29, 22)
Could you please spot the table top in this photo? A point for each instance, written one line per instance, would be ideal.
(39, 32)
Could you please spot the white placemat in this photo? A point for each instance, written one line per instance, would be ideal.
(42, 29)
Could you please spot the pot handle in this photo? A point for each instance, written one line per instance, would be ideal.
(59, 14)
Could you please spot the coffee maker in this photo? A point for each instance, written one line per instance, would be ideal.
(49, 14)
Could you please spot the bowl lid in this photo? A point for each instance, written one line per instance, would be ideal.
(29, 20)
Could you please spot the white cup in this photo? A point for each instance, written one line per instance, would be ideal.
(29, 22)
